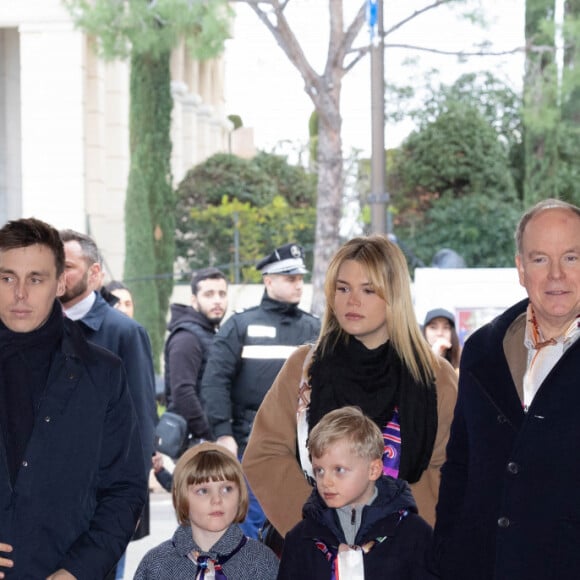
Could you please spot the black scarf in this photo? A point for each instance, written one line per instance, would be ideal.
(377, 381)
(25, 359)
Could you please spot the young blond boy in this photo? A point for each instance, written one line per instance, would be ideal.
(358, 523)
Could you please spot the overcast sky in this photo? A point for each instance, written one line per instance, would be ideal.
(267, 92)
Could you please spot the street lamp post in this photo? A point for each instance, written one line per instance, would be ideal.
(378, 198)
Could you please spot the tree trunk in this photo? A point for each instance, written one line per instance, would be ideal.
(330, 190)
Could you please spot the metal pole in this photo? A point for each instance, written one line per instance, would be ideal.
(378, 198)
(236, 247)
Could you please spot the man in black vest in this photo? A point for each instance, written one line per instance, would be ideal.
(192, 330)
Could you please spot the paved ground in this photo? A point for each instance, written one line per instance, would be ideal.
(163, 524)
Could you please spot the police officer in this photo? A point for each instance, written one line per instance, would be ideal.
(249, 351)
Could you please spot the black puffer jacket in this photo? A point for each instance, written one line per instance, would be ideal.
(186, 352)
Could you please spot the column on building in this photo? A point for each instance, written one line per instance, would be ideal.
(10, 126)
(52, 119)
(108, 157)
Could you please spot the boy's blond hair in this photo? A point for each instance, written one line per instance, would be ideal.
(350, 424)
(201, 464)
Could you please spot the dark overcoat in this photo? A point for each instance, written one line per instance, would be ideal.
(509, 501)
(82, 485)
(113, 330)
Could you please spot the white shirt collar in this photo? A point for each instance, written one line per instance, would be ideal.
(80, 309)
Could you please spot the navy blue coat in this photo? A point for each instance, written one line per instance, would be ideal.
(113, 330)
(401, 553)
(82, 484)
(509, 501)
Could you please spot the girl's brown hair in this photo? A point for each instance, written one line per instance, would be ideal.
(201, 464)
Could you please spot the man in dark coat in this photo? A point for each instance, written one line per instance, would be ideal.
(110, 329)
(192, 331)
(509, 501)
(103, 325)
(249, 351)
(72, 479)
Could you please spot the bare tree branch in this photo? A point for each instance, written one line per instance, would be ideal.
(417, 13)
(284, 36)
(359, 54)
(353, 31)
(461, 53)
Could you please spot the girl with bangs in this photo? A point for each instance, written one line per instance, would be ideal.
(210, 498)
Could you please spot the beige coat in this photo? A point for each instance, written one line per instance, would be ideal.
(270, 463)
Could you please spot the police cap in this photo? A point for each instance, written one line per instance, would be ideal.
(287, 259)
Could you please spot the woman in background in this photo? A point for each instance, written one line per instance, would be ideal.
(439, 330)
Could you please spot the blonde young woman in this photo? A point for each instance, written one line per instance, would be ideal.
(370, 354)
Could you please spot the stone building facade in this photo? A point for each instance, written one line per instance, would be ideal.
(64, 124)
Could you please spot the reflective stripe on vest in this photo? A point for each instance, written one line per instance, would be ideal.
(267, 351)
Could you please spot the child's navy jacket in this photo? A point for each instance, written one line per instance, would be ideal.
(402, 539)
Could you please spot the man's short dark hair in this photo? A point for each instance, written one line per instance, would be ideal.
(205, 274)
(88, 246)
(116, 285)
(29, 231)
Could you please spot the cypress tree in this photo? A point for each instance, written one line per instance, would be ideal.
(149, 215)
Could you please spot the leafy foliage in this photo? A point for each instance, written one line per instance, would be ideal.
(478, 227)
(455, 155)
(453, 188)
(236, 121)
(222, 175)
(267, 201)
(496, 102)
(551, 105)
(141, 27)
(293, 183)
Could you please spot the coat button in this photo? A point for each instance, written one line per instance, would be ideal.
(513, 468)
(503, 522)
(47, 419)
(25, 463)
(501, 419)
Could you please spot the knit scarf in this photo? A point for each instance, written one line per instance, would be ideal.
(377, 381)
(25, 359)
